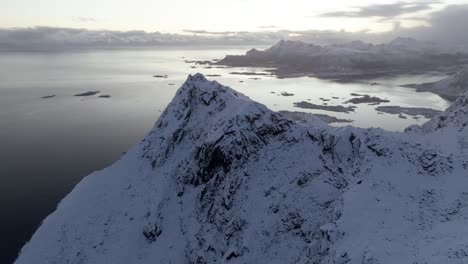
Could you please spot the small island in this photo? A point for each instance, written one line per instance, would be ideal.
(411, 111)
(332, 108)
(164, 76)
(90, 93)
(251, 73)
(367, 99)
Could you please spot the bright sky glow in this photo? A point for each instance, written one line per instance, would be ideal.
(212, 15)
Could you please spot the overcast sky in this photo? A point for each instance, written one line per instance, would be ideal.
(179, 16)
(63, 24)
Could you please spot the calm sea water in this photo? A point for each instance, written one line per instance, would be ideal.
(48, 145)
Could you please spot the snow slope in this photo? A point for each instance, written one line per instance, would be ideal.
(222, 179)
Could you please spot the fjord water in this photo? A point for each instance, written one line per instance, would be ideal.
(48, 145)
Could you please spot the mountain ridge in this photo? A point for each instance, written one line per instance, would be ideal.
(348, 60)
(449, 88)
(223, 179)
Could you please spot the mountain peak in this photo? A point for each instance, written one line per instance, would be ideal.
(197, 77)
(403, 41)
(197, 90)
(223, 179)
(290, 44)
(206, 113)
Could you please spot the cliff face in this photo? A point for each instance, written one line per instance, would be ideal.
(223, 179)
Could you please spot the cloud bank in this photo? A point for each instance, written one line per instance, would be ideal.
(47, 38)
(385, 10)
(448, 26)
(445, 27)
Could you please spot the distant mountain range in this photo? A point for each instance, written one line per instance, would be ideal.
(223, 179)
(353, 59)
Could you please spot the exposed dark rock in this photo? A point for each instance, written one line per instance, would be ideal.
(152, 232)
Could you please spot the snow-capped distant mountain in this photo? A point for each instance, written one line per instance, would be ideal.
(292, 58)
(410, 44)
(357, 45)
(449, 88)
(223, 179)
(398, 45)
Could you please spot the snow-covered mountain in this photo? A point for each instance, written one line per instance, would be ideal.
(223, 179)
(353, 58)
(449, 88)
(398, 45)
(454, 118)
(410, 44)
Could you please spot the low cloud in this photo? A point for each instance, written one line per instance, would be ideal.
(268, 27)
(205, 32)
(446, 27)
(85, 19)
(49, 38)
